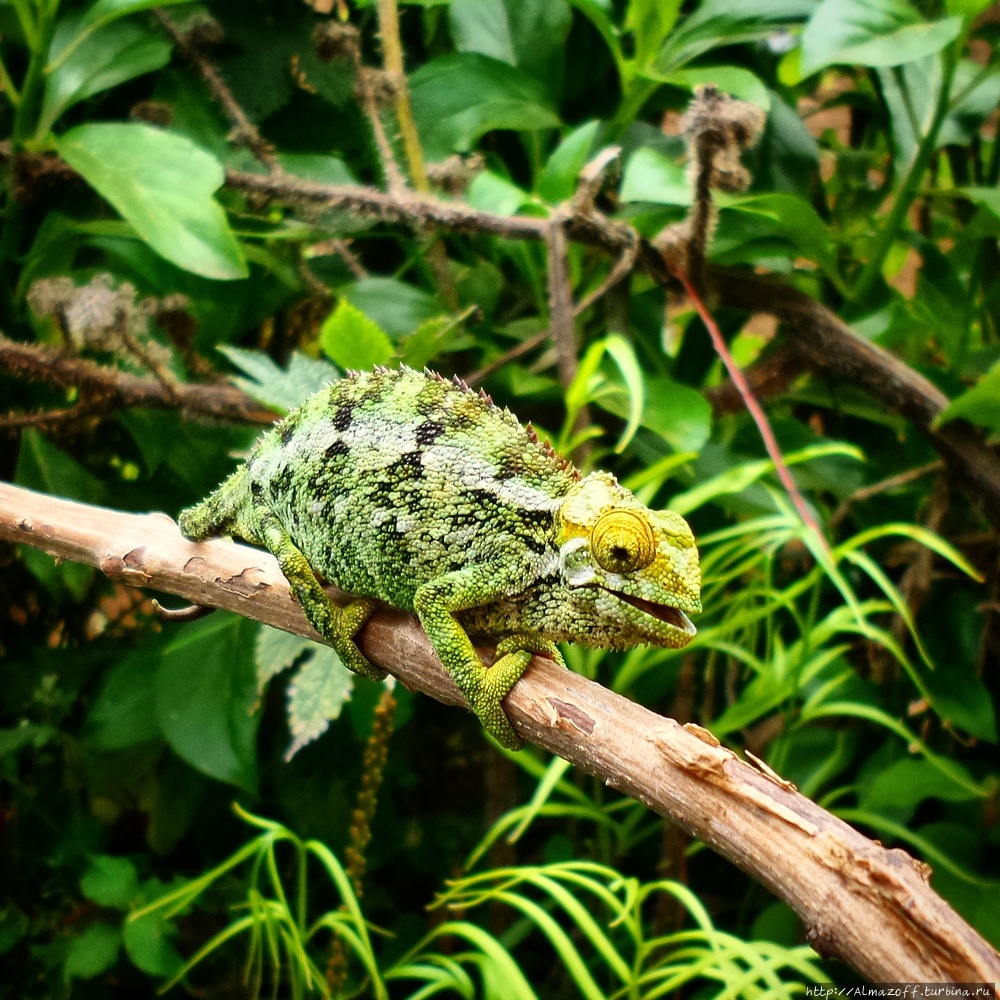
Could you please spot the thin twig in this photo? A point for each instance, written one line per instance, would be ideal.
(109, 389)
(244, 132)
(883, 486)
(756, 411)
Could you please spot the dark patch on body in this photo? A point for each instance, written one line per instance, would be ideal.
(429, 431)
(338, 448)
(343, 417)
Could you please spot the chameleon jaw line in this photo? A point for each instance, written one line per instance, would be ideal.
(672, 616)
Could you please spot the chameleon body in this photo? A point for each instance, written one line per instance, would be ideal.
(404, 488)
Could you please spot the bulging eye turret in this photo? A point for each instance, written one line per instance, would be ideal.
(623, 541)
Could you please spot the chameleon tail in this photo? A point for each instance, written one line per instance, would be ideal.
(216, 514)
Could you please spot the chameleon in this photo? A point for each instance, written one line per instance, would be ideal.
(409, 489)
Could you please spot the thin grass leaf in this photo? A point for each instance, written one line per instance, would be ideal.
(857, 710)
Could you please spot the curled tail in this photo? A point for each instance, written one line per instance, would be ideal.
(217, 513)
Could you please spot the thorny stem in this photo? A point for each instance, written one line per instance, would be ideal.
(392, 51)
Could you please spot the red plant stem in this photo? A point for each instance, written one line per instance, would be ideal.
(756, 411)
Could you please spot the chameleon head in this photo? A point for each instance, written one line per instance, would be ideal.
(632, 571)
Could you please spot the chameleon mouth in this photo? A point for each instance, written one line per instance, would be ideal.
(661, 612)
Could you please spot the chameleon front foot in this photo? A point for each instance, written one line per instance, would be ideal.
(490, 689)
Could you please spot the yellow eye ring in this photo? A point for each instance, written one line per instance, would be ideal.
(623, 541)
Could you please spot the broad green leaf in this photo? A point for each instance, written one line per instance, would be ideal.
(430, 338)
(353, 341)
(206, 693)
(110, 881)
(458, 98)
(653, 177)
(977, 95)
(909, 781)
(676, 412)
(281, 389)
(489, 192)
(871, 33)
(124, 713)
(147, 944)
(791, 218)
(44, 467)
(93, 952)
(979, 405)
(557, 181)
(728, 22)
(528, 34)
(110, 10)
(162, 184)
(986, 196)
(397, 307)
(650, 21)
(733, 80)
(316, 696)
(105, 59)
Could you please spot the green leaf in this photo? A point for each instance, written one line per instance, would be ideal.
(110, 10)
(733, 80)
(650, 21)
(276, 650)
(162, 184)
(124, 713)
(871, 33)
(460, 97)
(353, 341)
(281, 389)
(528, 34)
(44, 467)
(653, 177)
(790, 218)
(206, 693)
(147, 937)
(979, 405)
(909, 781)
(105, 59)
(429, 339)
(557, 181)
(110, 881)
(728, 22)
(93, 952)
(316, 696)
(397, 307)
(489, 192)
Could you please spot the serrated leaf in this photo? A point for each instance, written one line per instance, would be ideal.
(353, 341)
(162, 185)
(281, 389)
(316, 697)
(275, 650)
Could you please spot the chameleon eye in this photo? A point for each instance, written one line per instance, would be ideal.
(622, 541)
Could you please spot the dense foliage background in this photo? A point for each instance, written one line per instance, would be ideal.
(125, 742)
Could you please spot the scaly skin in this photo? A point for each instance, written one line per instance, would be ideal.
(406, 489)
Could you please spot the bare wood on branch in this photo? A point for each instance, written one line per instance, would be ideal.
(859, 901)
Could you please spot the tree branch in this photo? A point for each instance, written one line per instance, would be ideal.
(108, 389)
(863, 903)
